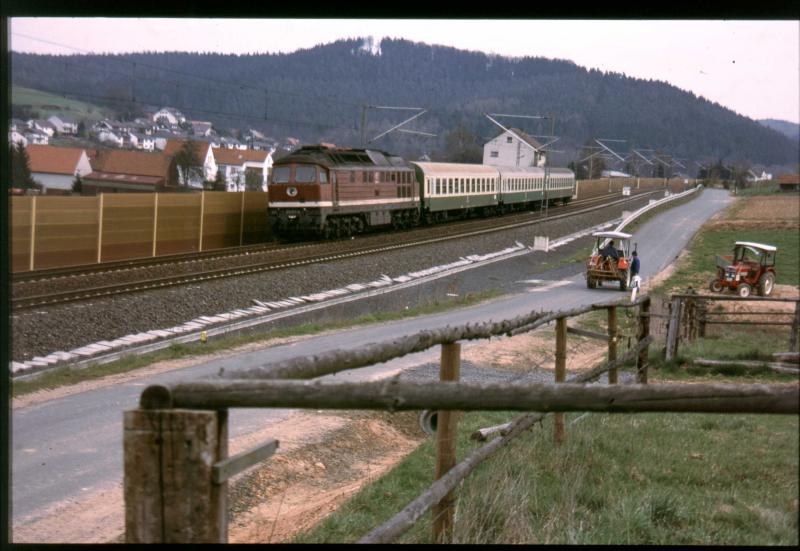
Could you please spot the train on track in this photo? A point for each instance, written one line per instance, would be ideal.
(327, 191)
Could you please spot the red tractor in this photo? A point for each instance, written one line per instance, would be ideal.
(751, 267)
(600, 268)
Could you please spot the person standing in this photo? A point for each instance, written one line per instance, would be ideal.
(635, 265)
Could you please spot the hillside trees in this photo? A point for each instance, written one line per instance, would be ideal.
(318, 92)
(20, 168)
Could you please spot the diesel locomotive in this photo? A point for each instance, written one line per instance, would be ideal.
(327, 191)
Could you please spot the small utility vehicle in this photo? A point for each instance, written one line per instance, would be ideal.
(751, 267)
(600, 268)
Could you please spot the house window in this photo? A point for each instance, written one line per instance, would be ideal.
(509, 139)
(493, 154)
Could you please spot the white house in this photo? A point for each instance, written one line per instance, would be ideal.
(206, 170)
(55, 168)
(235, 164)
(110, 136)
(64, 125)
(16, 138)
(37, 137)
(42, 126)
(145, 142)
(173, 116)
(513, 148)
(202, 128)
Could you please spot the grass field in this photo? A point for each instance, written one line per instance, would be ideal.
(641, 479)
(618, 479)
(50, 104)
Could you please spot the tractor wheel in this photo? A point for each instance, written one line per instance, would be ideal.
(591, 283)
(623, 280)
(715, 286)
(766, 284)
(744, 290)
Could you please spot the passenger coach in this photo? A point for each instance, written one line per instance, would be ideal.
(455, 189)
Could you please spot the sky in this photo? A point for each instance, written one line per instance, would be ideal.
(751, 67)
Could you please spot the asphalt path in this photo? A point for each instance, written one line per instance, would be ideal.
(64, 448)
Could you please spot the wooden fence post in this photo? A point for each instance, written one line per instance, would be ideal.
(673, 330)
(795, 326)
(33, 232)
(644, 332)
(170, 496)
(702, 310)
(202, 213)
(241, 221)
(155, 222)
(561, 372)
(446, 425)
(100, 228)
(612, 343)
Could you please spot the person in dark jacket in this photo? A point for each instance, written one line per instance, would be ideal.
(609, 251)
(635, 265)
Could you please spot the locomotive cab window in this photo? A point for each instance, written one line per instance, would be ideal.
(323, 176)
(305, 174)
(280, 175)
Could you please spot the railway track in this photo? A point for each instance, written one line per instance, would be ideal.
(281, 257)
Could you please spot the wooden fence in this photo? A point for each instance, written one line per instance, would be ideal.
(175, 444)
(595, 188)
(52, 232)
(689, 315)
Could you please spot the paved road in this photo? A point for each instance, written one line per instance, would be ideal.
(65, 447)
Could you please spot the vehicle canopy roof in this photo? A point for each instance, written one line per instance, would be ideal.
(613, 234)
(768, 248)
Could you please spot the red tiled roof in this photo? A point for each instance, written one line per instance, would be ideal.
(173, 147)
(122, 178)
(225, 156)
(53, 160)
(789, 179)
(136, 163)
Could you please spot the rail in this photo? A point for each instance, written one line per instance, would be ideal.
(178, 437)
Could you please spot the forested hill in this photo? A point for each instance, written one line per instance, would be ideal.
(317, 94)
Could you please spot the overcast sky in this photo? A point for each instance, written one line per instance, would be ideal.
(751, 67)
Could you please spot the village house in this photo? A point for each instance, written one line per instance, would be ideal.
(37, 137)
(55, 168)
(513, 148)
(112, 137)
(14, 137)
(171, 116)
(117, 171)
(42, 126)
(202, 128)
(206, 170)
(145, 142)
(63, 125)
(234, 165)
